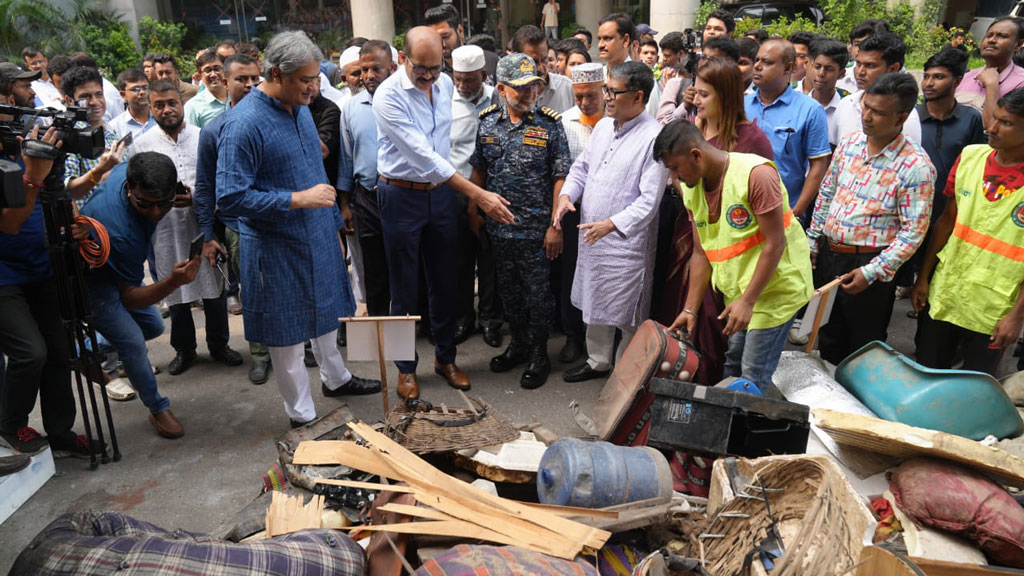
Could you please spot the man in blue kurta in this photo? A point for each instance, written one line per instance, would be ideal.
(270, 174)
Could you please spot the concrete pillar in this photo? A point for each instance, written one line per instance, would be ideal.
(588, 13)
(673, 15)
(373, 19)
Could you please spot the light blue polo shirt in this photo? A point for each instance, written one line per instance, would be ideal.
(797, 127)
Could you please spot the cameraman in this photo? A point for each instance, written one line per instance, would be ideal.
(31, 330)
(130, 203)
(82, 175)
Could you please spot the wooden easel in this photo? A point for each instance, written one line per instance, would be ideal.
(819, 315)
(381, 356)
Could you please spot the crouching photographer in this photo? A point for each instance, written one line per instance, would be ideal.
(32, 335)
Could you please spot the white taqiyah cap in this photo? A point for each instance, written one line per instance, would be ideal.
(467, 58)
(350, 55)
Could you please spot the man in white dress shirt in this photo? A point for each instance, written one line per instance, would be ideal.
(179, 141)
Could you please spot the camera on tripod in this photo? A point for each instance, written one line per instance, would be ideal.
(86, 142)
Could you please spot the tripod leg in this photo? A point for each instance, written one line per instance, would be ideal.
(83, 374)
(106, 405)
(93, 464)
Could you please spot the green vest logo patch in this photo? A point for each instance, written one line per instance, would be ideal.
(1018, 215)
(738, 216)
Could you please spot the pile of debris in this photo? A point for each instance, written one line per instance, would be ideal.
(876, 466)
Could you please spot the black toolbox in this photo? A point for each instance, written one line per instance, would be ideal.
(691, 417)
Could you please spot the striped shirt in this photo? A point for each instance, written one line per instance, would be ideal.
(75, 165)
(876, 201)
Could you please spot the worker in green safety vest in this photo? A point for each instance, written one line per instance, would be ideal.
(747, 244)
(973, 302)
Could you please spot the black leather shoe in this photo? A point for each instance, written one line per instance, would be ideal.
(182, 361)
(582, 373)
(260, 371)
(492, 336)
(308, 359)
(355, 387)
(513, 356)
(537, 372)
(296, 424)
(227, 356)
(572, 351)
(462, 332)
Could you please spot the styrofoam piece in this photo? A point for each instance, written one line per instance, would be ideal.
(521, 455)
(17, 488)
(485, 485)
(807, 379)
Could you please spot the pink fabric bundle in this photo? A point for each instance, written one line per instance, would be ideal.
(958, 500)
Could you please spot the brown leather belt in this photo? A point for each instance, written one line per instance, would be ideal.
(847, 249)
(408, 184)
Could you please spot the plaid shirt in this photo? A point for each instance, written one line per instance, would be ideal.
(75, 165)
(94, 542)
(877, 201)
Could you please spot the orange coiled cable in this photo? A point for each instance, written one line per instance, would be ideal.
(94, 252)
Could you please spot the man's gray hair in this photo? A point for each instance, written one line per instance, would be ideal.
(290, 51)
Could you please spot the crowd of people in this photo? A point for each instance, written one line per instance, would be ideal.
(709, 183)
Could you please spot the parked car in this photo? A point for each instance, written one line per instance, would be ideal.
(987, 12)
(768, 12)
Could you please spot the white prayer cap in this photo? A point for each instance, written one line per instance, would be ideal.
(468, 58)
(350, 55)
(587, 73)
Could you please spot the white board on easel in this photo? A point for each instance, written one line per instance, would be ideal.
(399, 341)
(395, 341)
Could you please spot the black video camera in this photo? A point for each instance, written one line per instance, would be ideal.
(86, 142)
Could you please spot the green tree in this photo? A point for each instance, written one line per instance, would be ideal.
(112, 47)
(29, 22)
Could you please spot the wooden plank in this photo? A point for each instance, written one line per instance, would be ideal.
(819, 314)
(367, 485)
(575, 511)
(342, 452)
(478, 500)
(287, 513)
(539, 529)
(941, 568)
(895, 439)
(453, 528)
(416, 511)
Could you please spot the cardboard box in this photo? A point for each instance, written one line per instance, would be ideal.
(17, 488)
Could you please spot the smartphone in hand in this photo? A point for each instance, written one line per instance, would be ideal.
(197, 247)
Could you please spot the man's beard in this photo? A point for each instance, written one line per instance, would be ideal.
(171, 127)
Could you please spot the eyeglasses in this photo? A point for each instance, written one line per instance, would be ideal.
(139, 89)
(147, 204)
(614, 93)
(39, 62)
(212, 69)
(424, 70)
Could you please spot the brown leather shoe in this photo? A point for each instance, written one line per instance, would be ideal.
(453, 374)
(166, 424)
(408, 386)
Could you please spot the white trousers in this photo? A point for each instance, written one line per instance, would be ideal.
(293, 377)
(601, 345)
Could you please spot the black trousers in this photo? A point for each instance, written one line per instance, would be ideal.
(371, 240)
(856, 318)
(938, 343)
(32, 337)
(183, 328)
(571, 316)
(668, 212)
(476, 268)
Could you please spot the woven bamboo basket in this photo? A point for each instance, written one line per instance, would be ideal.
(445, 429)
(822, 521)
